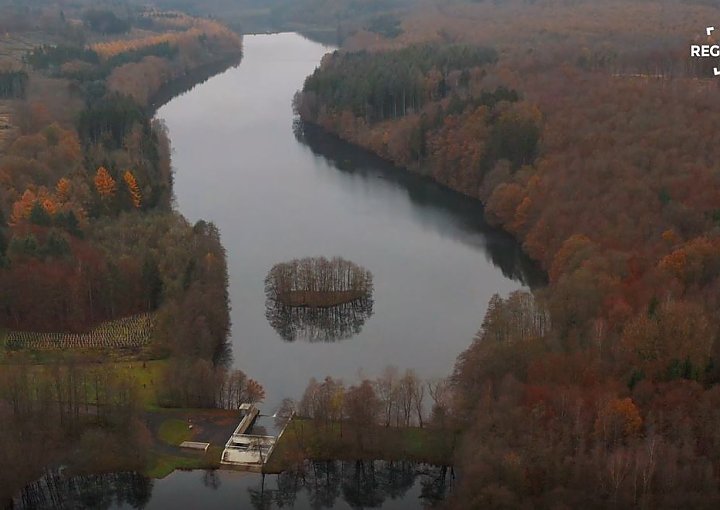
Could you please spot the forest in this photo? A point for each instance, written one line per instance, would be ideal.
(584, 128)
(596, 152)
(91, 249)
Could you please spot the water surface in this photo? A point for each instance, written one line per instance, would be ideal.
(338, 485)
(280, 191)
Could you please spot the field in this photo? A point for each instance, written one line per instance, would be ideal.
(14, 46)
(131, 333)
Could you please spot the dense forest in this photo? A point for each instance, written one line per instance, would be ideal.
(596, 152)
(89, 238)
(76, 178)
(584, 128)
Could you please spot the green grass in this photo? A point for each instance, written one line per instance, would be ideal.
(173, 431)
(147, 376)
(161, 465)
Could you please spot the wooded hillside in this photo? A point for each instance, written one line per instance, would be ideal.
(89, 243)
(591, 139)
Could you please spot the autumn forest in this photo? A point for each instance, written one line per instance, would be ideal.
(584, 129)
(599, 390)
(92, 254)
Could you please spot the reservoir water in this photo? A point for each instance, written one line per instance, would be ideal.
(278, 191)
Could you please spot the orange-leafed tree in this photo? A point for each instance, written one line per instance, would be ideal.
(617, 420)
(62, 190)
(22, 208)
(133, 189)
(105, 184)
(49, 205)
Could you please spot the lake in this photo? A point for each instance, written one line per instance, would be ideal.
(279, 190)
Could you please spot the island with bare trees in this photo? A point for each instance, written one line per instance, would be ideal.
(316, 282)
(318, 300)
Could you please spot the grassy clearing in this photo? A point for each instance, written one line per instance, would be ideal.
(307, 440)
(174, 431)
(147, 376)
(161, 465)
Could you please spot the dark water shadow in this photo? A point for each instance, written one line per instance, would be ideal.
(183, 84)
(454, 215)
(329, 324)
(359, 484)
(97, 491)
(320, 484)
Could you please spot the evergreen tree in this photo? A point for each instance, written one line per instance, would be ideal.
(39, 216)
(153, 283)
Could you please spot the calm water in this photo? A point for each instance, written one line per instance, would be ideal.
(279, 191)
(340, 485)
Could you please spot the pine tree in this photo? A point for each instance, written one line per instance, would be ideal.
(39, 215)
(153, 282)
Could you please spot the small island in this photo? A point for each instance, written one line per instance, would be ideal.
(316, 282)
(317, 299)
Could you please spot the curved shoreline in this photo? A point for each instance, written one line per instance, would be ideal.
(540, 278)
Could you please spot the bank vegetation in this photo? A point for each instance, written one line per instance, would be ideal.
(588, 139)
(89, 238)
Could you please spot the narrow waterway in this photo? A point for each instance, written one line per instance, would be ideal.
(280, 191)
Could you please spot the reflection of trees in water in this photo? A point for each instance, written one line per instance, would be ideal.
(467, 214)
(318, 324)
(361, 484)
(97, 491)
(181, 85)
(436, 485)
(211, 479)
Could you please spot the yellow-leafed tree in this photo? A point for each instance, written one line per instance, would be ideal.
(104, 183)
(133, 189)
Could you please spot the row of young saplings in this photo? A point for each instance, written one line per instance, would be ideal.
(317, 282)
(128, 332)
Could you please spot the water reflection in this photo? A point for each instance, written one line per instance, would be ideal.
(184, 84)
(315, 485)
(328, 324)
(97, 491)
(359, 484)
(458, 217)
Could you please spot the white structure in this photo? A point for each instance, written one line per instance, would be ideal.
(247, 450)
(194, 445)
